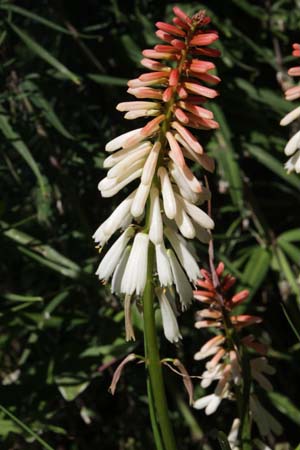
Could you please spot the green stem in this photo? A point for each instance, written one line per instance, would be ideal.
(153, 361)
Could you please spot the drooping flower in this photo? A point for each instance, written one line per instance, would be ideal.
(225, 367)
(164, 207)
(292, 148)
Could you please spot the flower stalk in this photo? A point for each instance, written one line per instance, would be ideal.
(153, 363)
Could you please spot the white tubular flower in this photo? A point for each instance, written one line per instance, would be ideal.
(163, 265)
(119, 141)
(186, 259)
(183, 222)
(139, 151)
(135, 274)
(182, 284)
(169, 320)
(167, 193)
(118, 219)
(119, 271)
(156, 224)
(233, 434)
(139, 201)
(112, 257)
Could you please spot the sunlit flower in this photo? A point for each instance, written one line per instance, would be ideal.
(164, 207)
(292, 148)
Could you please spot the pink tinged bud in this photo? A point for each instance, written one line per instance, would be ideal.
(228, 282)
(208, 78)
(216, 340)
(182, 284)
(181, 15)
(153, 76)
(201, 66)
(215, 360)
(183, 221)
(204, 39)
(198, 215)
(152, 125)
(169, 201)
(158, 55)
(167, 94)
(131, 115)
(212, 52)
(292, 93)
(243, 320)
(136, 105)
(240, 297)
(156, 224)
(128, 323)
(181, 116)
(182, 93)
(135, 274)
(165, 48)
(171, 29)
(177, 43)
(180, 24)
(290, 117)
(154, 65)
(138, 83)
(200, 90)
(204, 160)
(169, 320)
(118, 142)
(209, 314)
(196, 110)
(144, 92)
(296, 49)
(164, 36)
(175, 153)
(174, 77)
(118, 372)
(188, 137)
(139, 201)
(139, 151)
(150, 165)
(185, 257)
(294, 71)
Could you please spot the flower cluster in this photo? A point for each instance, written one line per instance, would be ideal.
(292, 148)
(225, 365)
(163, 209)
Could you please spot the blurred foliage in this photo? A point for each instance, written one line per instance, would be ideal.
(64, 66)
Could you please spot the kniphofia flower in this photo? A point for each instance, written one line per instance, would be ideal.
(292, 148)
(163, 208)
(225, 365)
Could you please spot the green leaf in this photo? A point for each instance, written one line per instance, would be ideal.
(21, 298)
(290, 235)
(25, 428)
(285, 406)
(288, 272)
(274, 165)
(224, 154)
(70, 388)
(14, 139)
(256, 269)
(291, 250)
(107, 79)
(44, 54)
(34, 17)
(41, 103)
(223, 441)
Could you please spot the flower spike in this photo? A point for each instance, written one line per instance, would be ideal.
(157, 156)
